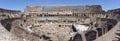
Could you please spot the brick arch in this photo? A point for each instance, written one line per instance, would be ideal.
(8, 26)
(7, 23)
(77, 37)
(110, 25)
(90, 34)
(99, 30)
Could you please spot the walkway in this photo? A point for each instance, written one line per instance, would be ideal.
(112, 35)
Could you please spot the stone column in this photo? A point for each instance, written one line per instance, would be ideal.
(97, 33)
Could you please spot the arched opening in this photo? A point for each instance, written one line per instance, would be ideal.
(8, 26)
(77, 37)
(109, 26)
(99, 30)
(111, 23)
(7, 23)
(91, 35)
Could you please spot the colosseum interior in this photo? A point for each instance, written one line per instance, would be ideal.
(60, 23)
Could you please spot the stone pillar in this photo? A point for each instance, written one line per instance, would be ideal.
(102, 31)
(106, 28)
(97, 33)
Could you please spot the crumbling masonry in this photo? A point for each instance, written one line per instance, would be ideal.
(60, 23)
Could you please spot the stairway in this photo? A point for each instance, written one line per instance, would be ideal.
(117, 36)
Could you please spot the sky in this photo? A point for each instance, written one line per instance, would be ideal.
(21, 4)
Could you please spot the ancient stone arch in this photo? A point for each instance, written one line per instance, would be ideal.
(110, 25)
(77, 37)
(99, 30)
(91, 34)
(8, 26)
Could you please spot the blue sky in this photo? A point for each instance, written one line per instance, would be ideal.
(21, 4)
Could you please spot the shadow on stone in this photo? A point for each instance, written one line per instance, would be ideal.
(77, 37)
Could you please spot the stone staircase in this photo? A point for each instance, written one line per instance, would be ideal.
(117, 36)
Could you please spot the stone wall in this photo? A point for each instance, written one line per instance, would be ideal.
(5, 13)
(9, 11)
(114, 14)
(52, 23)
